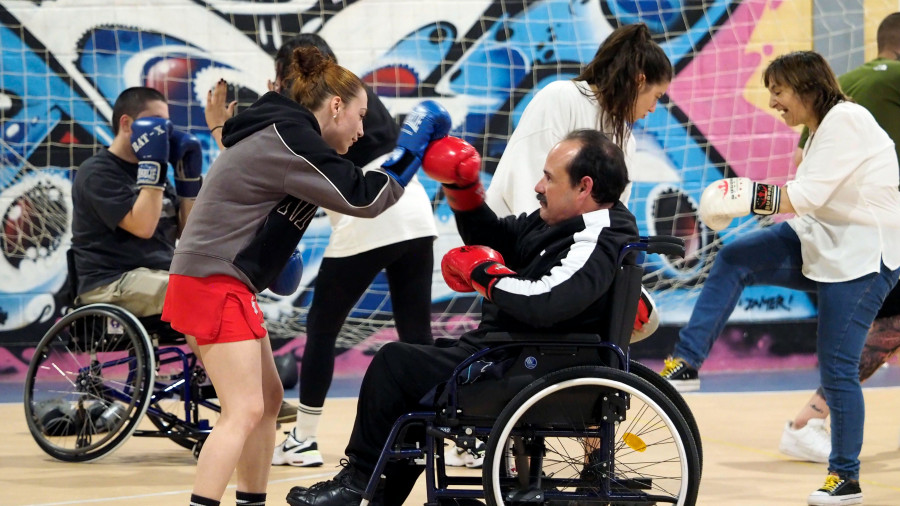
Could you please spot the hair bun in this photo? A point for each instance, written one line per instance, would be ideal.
(310, 62)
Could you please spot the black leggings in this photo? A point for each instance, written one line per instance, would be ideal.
(340, 284)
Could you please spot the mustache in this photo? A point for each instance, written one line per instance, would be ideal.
(541, 198)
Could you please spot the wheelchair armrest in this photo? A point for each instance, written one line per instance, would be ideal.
(665, 245)
(659, 244)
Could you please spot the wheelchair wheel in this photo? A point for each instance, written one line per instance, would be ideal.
(591, 435)
(182, 408)
(89, 383)
(661, 384)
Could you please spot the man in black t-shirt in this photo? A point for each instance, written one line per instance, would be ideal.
(126, 214)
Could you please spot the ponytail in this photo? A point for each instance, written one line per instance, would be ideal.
(624, 56)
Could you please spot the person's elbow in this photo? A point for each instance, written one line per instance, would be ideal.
(144, 232)
(142, 229)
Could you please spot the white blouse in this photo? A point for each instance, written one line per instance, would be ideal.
(557, 109)
(409, 218)
(846, 197)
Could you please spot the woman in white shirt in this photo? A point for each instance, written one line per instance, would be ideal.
(622, 84)
(844, 244)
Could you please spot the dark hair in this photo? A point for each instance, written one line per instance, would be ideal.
(600, 159)
(285, 53)
(628, 52)
(810, 76)
(314, 78)
(888, 36)
(132, 102)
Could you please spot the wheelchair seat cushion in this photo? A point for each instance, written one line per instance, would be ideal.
(488, 384)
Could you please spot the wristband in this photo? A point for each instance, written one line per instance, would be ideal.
(213, 129)
(766, 198)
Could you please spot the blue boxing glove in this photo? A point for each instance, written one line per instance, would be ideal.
(289, 278)
(427, 122)
(150, 141)
(186, 158)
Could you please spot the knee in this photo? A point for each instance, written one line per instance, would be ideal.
(386, 360)
(272, 401)
(390, 355)
(839, 373)
(729, 254)
(245, 416)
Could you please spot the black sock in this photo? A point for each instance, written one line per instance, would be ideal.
(199, 500)
(250, 499)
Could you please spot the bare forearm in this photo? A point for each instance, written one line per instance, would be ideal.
(144, 215)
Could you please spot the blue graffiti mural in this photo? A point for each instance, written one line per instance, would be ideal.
(53, 117)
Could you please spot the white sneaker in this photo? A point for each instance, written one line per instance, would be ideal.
(297, 453)
(475, 458)
(811, 443)
(455, 456)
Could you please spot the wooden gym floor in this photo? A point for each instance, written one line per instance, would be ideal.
(740, 434)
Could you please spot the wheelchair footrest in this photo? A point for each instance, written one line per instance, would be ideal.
(534, 495)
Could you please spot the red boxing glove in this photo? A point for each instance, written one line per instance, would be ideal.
(474, 268)
(456, 164)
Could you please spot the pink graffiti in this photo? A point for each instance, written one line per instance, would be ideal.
(710, 90)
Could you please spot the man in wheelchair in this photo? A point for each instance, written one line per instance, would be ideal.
(126, 215)
(549, 271)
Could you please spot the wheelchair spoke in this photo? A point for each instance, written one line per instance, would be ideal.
(592, 435)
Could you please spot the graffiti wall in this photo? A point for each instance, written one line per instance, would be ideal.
(65, 61)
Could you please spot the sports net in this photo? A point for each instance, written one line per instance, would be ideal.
(65, 62)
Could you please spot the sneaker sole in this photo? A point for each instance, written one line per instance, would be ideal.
(311, 459)
(686, 385)
(844, 500)
(800, 455)
(306, 462)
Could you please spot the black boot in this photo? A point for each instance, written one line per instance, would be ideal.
(343, 490)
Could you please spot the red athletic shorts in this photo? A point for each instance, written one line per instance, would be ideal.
(215, 309)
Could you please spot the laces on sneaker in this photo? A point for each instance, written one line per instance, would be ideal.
(832, 482)
(672, 365)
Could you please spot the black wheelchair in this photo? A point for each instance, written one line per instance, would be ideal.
(100, 370)
(566, 419)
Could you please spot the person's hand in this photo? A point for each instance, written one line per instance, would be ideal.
(273, 86)
(734, 197)
(150, 142)
(456, 164)
(218, 110)
(186, 157)
(474, 268)
(427, 122)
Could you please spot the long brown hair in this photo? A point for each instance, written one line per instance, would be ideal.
(810, 76)
(627, 53)
(315, 78)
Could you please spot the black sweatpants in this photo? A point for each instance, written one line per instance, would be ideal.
(339, 285)
(397, 379)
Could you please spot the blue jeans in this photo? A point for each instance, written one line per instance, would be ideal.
(846, 310)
